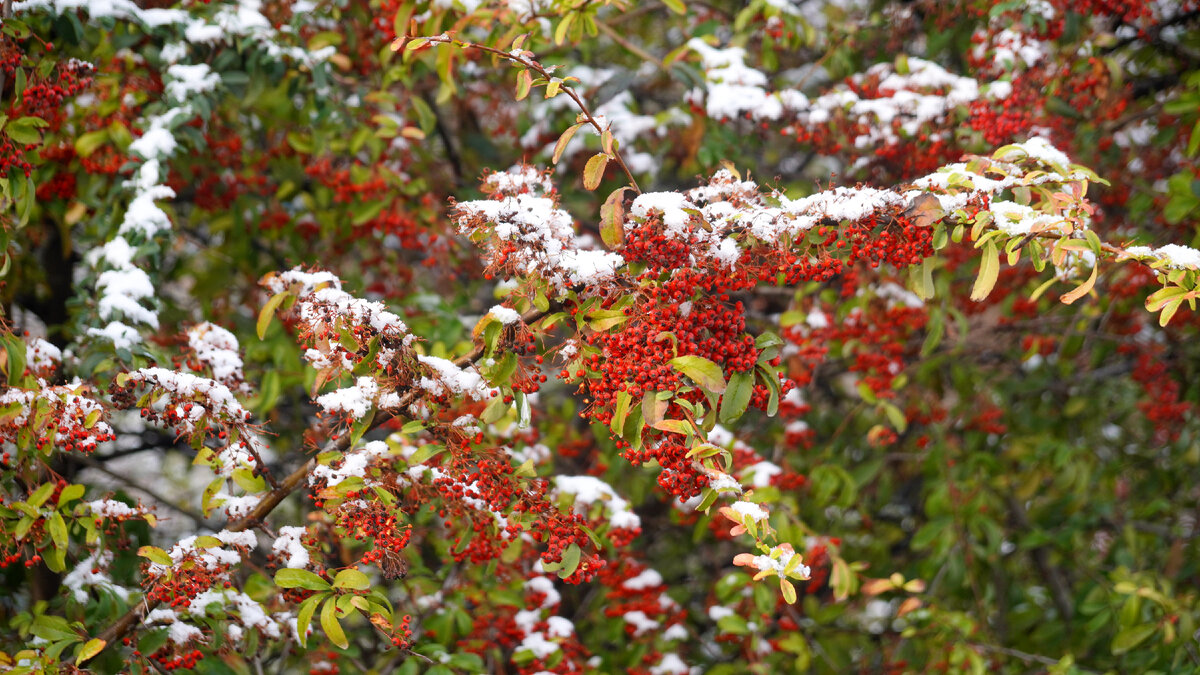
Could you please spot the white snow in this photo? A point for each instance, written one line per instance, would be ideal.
(218, 349)
(640, 622)
(647, 579)
(83, 577)
(449, 379)
(589, 490)
(545, 586)
(751, 510)
(354, 400)
(41, 355)
(505, 315)
(760, 473)
(289, 546)
(670, 664)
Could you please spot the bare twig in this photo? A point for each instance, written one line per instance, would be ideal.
(516, 57)
(629, 46)
(99, 466)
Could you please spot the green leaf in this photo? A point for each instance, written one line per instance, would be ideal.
(362, 212)
(895, 416)
(593, 171)
(733, 624)
(425, 452)
(25, 130)
(293, 578)
(58, 530)
(621, 411)
(1131, 637)
(701, 371)
(90, 142)
(71, 493)
(602, 319)
(570, 561)
(989, 271)
(494, 411)
(360, 427)
(304, 616)
(930, 532)
(676, 6)
(53, 628)
(737, 396)
(40, 495)
(268, 312)
(300, 143)
(351, 579)
(329, 623)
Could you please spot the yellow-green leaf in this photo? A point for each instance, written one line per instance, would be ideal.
(603, 319)
(58, 530)
(90, 649)
(789, 591)
(676, 6)
(155, 555)
(593, 171)
(737, 396)
(329, 623)
(268, 312)
(565, 138)
(352, 579)
(701, 371)
(989, 271)
(524, 84)
(612, 218)
(293, 578)
(621, 411)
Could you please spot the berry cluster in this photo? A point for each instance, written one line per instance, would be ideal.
(171, 658)
(64, 417)
(364, 519)
(1166, 407)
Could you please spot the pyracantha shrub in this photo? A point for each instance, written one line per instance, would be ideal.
(553, 337)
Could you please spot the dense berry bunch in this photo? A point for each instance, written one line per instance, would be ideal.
(64, 417)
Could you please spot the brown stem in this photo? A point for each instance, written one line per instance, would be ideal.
(125, 624)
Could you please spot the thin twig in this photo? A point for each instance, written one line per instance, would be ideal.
(1027, 657)
(629, 46)
(98, 466)
(517, 58)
